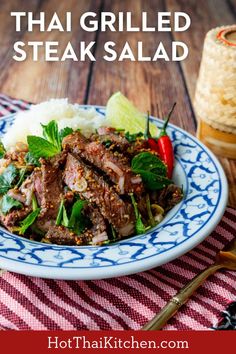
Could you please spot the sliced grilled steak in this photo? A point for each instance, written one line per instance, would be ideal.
(92, 187)
(59, 160)
(60, 235)
(52, 189)
(95, 235)
(98, 232)
(116, 167)
(106, 134)
(49, 190)
(17, 195)
(14, 217)
(38, 186)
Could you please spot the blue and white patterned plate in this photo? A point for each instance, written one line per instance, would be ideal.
(185, 226)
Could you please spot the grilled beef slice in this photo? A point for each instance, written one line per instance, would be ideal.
(106, 134)
(116, 167)
(52, 189)
(14, 217)
(92, 187)
(98, 232)
(49, 189)
(60, 235)
(38, 185)
(63, 236)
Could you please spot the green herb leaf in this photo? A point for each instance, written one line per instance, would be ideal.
(149, 211)
(139, 226)
(152, 170)
(48, 147)
(51, 134)
(148, 161)
(2, 150)
(64, 132)
(65, 219)
(7, 178)
(40, 147)
(133, 137)
(60, 213)
(107, 143)
(28, 221)
(30, 159)
(7, 203)
(22, 175)
(34, 202)
(113, 232)
(77, 221)
(153, 181)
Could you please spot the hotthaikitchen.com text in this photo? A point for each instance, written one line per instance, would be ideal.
(113, 342)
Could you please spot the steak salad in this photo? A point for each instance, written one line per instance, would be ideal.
(69, 189)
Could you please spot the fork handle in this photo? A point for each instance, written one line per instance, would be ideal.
(179, 299)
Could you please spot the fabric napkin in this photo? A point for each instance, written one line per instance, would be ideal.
(29, 303)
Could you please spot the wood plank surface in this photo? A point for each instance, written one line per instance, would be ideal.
(150, 85)
(41, 80)
(204, 16)
(8, 33)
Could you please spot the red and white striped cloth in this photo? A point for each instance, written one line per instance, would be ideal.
(28, 303)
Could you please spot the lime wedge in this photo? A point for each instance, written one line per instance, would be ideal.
(122, 114)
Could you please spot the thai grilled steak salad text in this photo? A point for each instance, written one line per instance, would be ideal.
(69, 189)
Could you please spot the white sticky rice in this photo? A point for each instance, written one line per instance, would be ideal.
(65, 113)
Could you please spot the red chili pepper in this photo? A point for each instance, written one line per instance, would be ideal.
(152, 143)
(165, 146)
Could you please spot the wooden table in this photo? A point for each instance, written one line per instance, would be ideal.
(150, 85)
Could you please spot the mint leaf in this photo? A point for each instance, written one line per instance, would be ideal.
(152, 170)
(51, 134)
(48, 147)
(2, 150)
(28, 221)
(40, 147)
(7, 178)
(64, 132)
(30, 159)
(7, 203)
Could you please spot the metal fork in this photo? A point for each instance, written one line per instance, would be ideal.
(226, 258)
